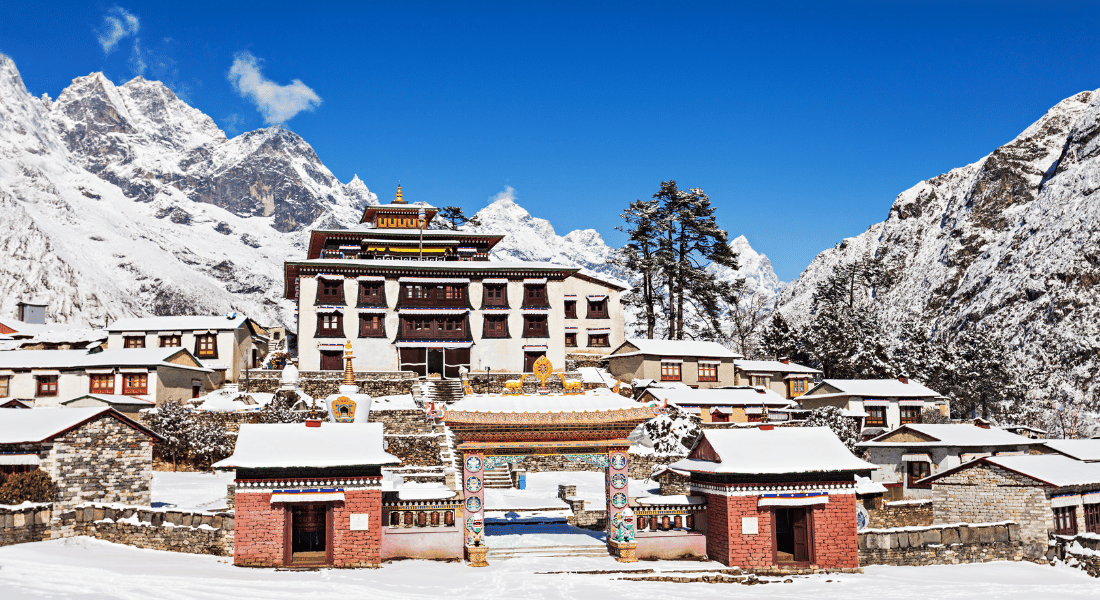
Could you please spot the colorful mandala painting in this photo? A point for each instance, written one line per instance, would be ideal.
(473, 464)
(618, 500)
(473, 484)
(618, 460)
(473, 504)
(618, 481)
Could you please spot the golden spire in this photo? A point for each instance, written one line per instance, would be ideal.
(349, 373)
(399, 199)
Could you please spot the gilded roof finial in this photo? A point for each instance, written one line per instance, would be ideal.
(399, 199)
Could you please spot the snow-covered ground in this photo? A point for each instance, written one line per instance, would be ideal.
(190, 491)
(542, 491)
(87, 568)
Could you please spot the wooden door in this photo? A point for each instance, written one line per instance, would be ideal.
(529, 359)
(332, 361)
(800, 527)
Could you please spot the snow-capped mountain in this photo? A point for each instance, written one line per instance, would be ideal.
(1011, 241)
(755, 268)
(120, 201)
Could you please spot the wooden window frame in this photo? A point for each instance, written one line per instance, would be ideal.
(798, 386)
(914, 473)
(327, 297)
(759, 380)
(594, 340)
(872, 420)
(1065, 520)
(536, 332)
(371, 331)
(171, 341)
(133, 341)
(489, 295)
(594, 312)
(494, 333)
(708, 372)
(135, 384)
(570, 309)
(434, 327)
(5, 385)
(535, 296)
(45, 386)
(671, 371)
(910, 415)
(571, 339)
(330, 325)
(93, 378)
(376, 299)
(200, 352)
(1092, 518)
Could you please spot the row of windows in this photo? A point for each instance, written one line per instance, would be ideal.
(1065, 519)
(331, 292)
(206, 345)
(876, 415)
(133, 384)
(495, 326)
(671, 371)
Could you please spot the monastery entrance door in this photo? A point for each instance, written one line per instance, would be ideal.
(792, 535)
(435, 361)
(309, 527)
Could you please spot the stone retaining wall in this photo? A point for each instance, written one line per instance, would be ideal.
(415, 449)
(25, 522)
(403, 421)
(941, 544)
(905, 513)
(319, 384)
(1081, 551)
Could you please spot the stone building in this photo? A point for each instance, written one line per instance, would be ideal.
(784, 377)
(777, 496)
(912, 452)
(129, 376)
(1043, 494)
(228, 343)
(412, 298)
(308, 494)
(725, 404)
(93, 454)
(694, 364)
(884, 403)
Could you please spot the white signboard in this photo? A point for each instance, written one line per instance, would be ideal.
(749, 525)
(360, 522)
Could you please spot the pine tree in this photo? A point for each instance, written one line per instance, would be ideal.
(832, 417)
(173, 421)
(209, 441)
(452, 217)
(280, 410)
(981, 379)
(639, 256)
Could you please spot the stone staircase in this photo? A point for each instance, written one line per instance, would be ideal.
(447, 391)
(498, 477)
(548, 552)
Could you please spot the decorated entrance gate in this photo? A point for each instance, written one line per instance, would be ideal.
(505, 430)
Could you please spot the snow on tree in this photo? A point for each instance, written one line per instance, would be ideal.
(209, 441)
(280, 410)
(639, 256)
(173, 421)
(831, 417)
(452, 217)
(674, 433)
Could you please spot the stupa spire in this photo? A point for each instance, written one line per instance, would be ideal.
(399, 199)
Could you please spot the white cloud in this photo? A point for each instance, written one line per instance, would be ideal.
(137, 58)
(232, 123)
(277, 103)
(117, 24)
(509, 194)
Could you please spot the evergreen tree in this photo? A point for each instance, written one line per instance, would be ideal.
(452, 217)
(778, 339)
(280, 410)
(639, 256)
(832, 417)
(173, 421)
(981, 379)
(209, 441)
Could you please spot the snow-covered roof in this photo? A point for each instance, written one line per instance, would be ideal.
(881, 388)
(35, 329)
(1086, 450)
(1052, 469)
(596, 375)
(731, 396)
(864, 485)
(179, 323)
(40, 424)
(756, 451)
(588, 401)
(772, 366)
(953, 435)
(289, 445)
(226, 400)
(115, 399)
(83, 359)
(674, 348)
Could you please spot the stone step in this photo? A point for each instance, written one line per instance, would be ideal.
(548, 552)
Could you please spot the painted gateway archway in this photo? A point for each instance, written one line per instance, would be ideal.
(498, 430)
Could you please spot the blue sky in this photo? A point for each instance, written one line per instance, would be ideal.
(802, 121)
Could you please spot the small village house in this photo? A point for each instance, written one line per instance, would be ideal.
(725, 404)
(309, 494)
(128, 376)
(694, 364)
(777, 496)
(887, 403)
(790, 380)
(30, 331)
(907, 455)
(231, 343)
(92, 454)
(1044, 494)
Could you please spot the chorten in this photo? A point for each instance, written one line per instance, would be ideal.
(348, 405)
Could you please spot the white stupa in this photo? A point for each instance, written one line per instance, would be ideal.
(289, 379)
(348, 405)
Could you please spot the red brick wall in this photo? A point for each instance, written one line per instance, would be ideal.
(359, 548)
(835, 543)
(258, 531)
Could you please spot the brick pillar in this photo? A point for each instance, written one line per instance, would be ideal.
(473, 489)
(617, 484)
